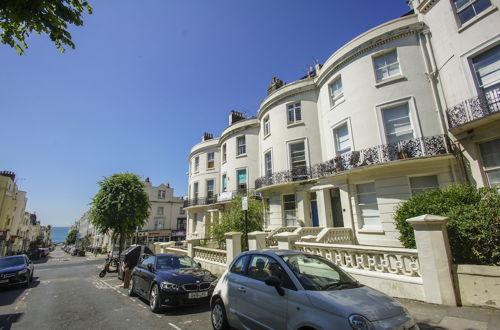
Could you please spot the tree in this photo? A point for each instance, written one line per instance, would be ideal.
(233, 219)
(19, 18)
(71, 239)
(120, 205)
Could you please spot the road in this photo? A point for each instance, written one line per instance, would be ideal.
(67, 293)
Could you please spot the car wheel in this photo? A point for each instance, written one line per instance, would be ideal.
(131, 291)
(219, 318)
(154, 299)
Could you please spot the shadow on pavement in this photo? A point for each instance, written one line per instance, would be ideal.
(6, 320)
(185, 310)
(8, 295)
(426, 326)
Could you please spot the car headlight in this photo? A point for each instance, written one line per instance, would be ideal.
(168, 286)
(360, 322)
(214, 282)
(21, 272)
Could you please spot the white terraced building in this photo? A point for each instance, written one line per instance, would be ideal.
(411, 105)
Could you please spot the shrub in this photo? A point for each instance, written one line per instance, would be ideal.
(233, 220)
(474, 226)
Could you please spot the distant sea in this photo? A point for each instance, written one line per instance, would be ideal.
(59, 234)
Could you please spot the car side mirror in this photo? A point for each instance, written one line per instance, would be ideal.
(199, 265)
(276, 282)
(151, 268)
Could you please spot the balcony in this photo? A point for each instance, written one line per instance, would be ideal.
(413, 148)
(223, 197)
(474, 112)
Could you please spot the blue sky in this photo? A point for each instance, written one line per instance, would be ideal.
(146, 80)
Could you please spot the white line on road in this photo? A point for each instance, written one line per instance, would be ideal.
(174, 326)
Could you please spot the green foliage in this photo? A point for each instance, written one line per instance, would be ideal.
(120, 205)
(71, 239)
(233, 219)
(474, 226)
(19, 18)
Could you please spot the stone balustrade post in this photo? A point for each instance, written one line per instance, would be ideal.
(434, 256)
(233, 245)
(164, 245)
(286, 240)
(257, 240)
(192, 243)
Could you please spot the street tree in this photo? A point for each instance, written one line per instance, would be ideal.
(19, 18)
(120, 205)
(233, 219)
(71, 239)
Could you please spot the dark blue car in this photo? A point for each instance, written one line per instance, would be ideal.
(16, 270)
(171, 280)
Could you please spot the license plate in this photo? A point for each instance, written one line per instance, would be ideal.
(194, 295)
(4, 281)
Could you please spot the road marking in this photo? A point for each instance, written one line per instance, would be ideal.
(174, 326)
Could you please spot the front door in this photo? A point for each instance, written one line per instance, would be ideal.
(314, 213)
(338, 218)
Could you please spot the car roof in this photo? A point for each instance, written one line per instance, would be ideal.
(169, 255)
(275, 252)
(12, 257)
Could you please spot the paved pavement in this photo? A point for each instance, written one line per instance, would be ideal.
(430, 316)
(68, 294)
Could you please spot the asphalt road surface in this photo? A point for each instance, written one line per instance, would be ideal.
(67, 293)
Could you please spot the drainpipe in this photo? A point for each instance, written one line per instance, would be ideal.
(433, 75)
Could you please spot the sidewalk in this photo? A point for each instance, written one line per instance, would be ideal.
(430, 316)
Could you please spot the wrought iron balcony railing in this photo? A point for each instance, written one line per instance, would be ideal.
(413, 148)
(478, 107)
(222, 197)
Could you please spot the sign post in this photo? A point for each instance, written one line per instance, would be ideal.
(244, 207)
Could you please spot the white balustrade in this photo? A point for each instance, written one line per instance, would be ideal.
(336, 236)
(210, 255)
(271, 240)
(306, 231)
(396, 261)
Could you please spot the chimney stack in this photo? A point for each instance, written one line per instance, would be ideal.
(275, 84)
(235, 116)
(8, 174)
(207, 136)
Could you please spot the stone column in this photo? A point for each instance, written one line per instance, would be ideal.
(434, 256)
(301, 207)
(286, 240)
(257, 240)
(324, 208)
(191, 245)
(233, 246)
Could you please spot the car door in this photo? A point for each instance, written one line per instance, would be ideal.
(143, 275)
(235, 287)
(261, 306)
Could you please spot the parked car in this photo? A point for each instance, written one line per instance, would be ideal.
(282, 289)
(16, 270)
(43, 252)
(171, 280)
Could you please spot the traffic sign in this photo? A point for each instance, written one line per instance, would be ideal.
(244, 203)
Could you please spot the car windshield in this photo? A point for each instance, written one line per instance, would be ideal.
(9, 262)
(175, 262)
(318, 274)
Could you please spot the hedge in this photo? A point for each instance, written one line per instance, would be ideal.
(474, 226)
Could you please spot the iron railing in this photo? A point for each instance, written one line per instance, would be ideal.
(412, 148)
(478, 107)
(222, 197)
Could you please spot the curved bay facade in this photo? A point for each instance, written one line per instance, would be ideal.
(344, 145)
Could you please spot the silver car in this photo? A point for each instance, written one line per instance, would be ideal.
(282, 289)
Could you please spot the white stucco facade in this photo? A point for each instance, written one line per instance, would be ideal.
(343, 146)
